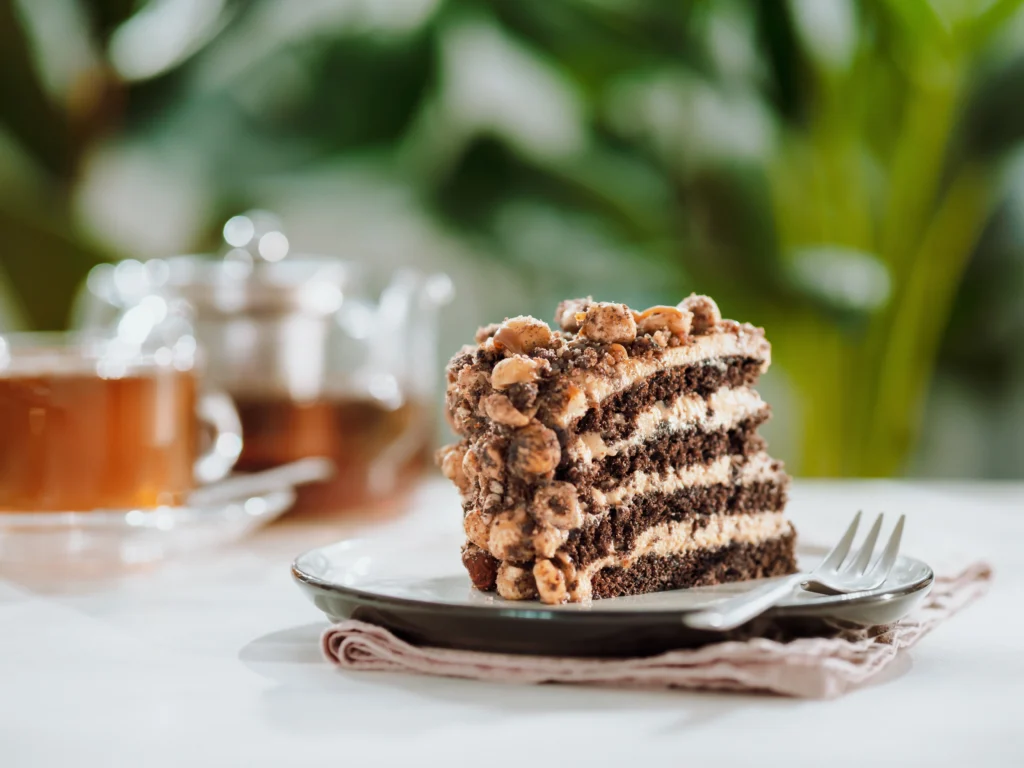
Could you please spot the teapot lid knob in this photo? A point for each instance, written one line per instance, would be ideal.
(257, 235)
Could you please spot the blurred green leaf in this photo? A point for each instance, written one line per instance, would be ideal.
(921, 23)
(788, 73)
(994, 121)
(26, 111)
(46, 264)
(598, 41)
(108, 15)
(737, 243)
(346, 109)
(977, 32)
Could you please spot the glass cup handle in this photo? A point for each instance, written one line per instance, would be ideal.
(218, 410)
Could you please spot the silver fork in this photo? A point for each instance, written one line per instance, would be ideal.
(837, 574)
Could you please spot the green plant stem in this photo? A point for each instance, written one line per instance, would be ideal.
(915, 180)
(918, 324)
(918, 165)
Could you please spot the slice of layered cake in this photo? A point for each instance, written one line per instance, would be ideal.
(615, 455)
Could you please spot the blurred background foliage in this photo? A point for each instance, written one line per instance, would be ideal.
(844, 173)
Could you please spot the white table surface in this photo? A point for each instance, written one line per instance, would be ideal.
(214, 661)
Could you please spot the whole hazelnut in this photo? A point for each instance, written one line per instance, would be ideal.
(515, 583)
(493, 501)
(492, 461)
(517, 369)
(471, 381)
(498, 408)
(451, 459)
(534, 451)
(471, 466)
(508, 539)
(477, 525)
(523, 334)
(482, 567)
(609, 323)
(557, 504)
(706, 315)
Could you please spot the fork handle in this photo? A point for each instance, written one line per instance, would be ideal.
(738, 610)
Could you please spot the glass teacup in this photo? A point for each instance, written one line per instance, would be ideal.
(94, 422)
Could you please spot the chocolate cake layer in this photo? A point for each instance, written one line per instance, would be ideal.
(615, 418)
(665, 452)
(736, 562)
(618, 529)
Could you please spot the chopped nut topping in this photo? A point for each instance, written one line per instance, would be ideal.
(523, 334)
(499, 408)
(507, 540)
(477, 525)
(471, 465)
(546, 541)
(706, 315)
(609, 323)
(515, 583)
(534, 451)
(451, 459)
(618, 352)
(518, 369)
(470, 379)
(672, 319)
(569, 312)
(492, 462)
(730, 326)
(550, 582)
(557, 505)
(579, 589)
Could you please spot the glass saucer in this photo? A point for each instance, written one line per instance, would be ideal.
(130, 537)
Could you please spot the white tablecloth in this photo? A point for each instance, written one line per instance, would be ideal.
(213, 661)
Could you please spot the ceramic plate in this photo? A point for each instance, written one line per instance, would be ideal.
(416, 587)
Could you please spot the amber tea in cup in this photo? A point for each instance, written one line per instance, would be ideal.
(378, 451)
(85, 426)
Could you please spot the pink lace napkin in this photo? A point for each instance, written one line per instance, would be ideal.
(818, 668)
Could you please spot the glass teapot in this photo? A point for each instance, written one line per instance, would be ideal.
(323, 357)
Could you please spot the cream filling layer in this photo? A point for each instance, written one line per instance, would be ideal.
(596, 386)
(724, 409)
(681, 537)
(758, 467)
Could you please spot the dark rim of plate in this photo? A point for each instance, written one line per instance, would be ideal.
(535, 610)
